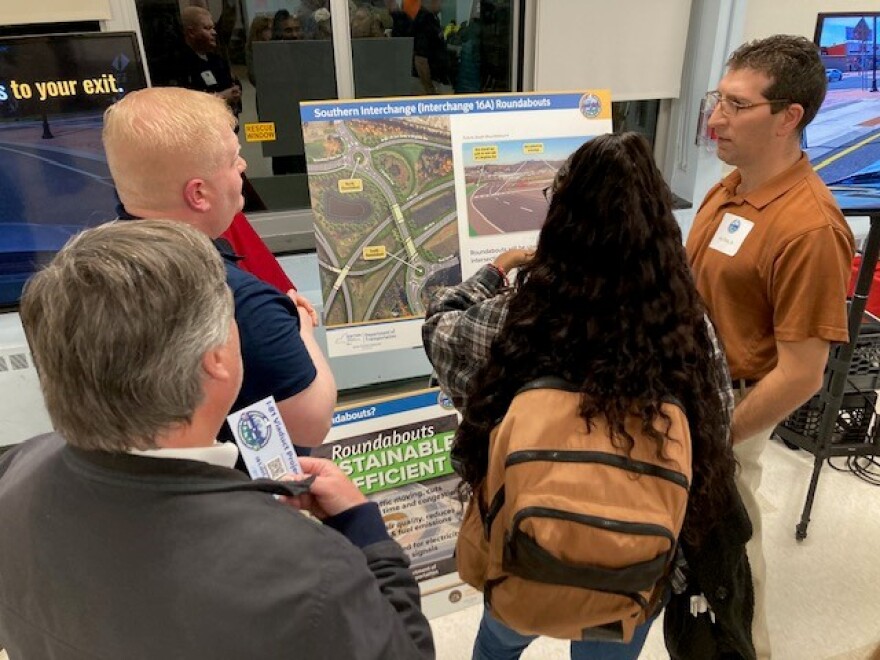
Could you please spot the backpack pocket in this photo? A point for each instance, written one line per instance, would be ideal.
(604, 553)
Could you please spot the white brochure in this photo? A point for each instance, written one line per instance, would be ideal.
(263, 440)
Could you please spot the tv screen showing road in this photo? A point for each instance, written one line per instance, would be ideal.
(842, 141)
(54, 179)
(506, 182)
(383, 196)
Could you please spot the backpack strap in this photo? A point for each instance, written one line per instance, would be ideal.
(558, 383)
(548, 383)
(668, 398)
(492, 512)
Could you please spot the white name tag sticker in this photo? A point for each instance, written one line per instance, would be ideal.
(208, 77)
(263, 440)
(731, 233)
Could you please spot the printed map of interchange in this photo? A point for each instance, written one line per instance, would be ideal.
(385, 217)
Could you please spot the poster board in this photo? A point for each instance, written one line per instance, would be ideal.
(411, 194)
(396, 450)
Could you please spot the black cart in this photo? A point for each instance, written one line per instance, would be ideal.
(839, 420)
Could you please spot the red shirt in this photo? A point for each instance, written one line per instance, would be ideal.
(255, 256)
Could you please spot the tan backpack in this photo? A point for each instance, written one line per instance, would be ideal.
(569, 536)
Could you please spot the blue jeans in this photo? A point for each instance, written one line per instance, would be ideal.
(495, 641)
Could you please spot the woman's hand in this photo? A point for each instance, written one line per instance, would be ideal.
(507, 261)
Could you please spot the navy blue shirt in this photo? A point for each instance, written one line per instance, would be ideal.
(276, 362)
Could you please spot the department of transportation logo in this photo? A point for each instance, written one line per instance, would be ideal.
(254, 429)
(734, 225)
(445, 401)
(590, 106)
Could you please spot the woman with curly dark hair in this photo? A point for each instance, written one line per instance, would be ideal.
(606, 302)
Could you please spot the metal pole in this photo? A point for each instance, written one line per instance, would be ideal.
(874, 56)
(838, 367)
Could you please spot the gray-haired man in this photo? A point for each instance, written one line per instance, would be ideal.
(126, 533)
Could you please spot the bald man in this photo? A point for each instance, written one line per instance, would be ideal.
(203, 70)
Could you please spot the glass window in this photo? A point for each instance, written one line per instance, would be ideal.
(403, 48)
(638, 116)
(265, 56)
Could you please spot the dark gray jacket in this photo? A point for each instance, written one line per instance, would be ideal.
(718, 569)
(119, 556)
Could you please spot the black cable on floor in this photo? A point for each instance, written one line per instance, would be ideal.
(866, 468)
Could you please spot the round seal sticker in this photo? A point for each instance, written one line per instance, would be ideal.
(254, 429)
(590, 106)
(445, 401)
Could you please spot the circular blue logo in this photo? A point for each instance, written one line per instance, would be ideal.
(590, 106)
(734, 225)
(254, 429)
(444, 401)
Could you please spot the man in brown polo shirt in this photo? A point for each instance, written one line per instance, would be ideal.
(771, 254)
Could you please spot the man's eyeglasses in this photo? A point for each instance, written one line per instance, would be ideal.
(729, 107)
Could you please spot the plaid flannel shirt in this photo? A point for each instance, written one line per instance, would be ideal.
(462, 321)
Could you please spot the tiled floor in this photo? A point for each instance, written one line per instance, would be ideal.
(824, 593)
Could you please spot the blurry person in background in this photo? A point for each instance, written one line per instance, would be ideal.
(286, 26)
(307, 18)
(202, 69)
(430, 59)
(323, 24)
(260, 30)
(365, 24)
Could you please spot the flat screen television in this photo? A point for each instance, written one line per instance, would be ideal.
(54, 179)
(843, 141)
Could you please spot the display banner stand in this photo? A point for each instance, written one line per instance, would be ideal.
(396, 450)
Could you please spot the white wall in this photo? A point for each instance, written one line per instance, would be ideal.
(635, 48)
(22, 412)
(19, 12)
(715, 30)
(766, 17)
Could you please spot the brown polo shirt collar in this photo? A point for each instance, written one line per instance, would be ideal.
(774, 188)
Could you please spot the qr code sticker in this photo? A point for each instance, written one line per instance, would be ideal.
(276, 468)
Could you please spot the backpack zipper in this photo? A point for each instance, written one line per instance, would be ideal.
(609, 524)
(581, 456)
